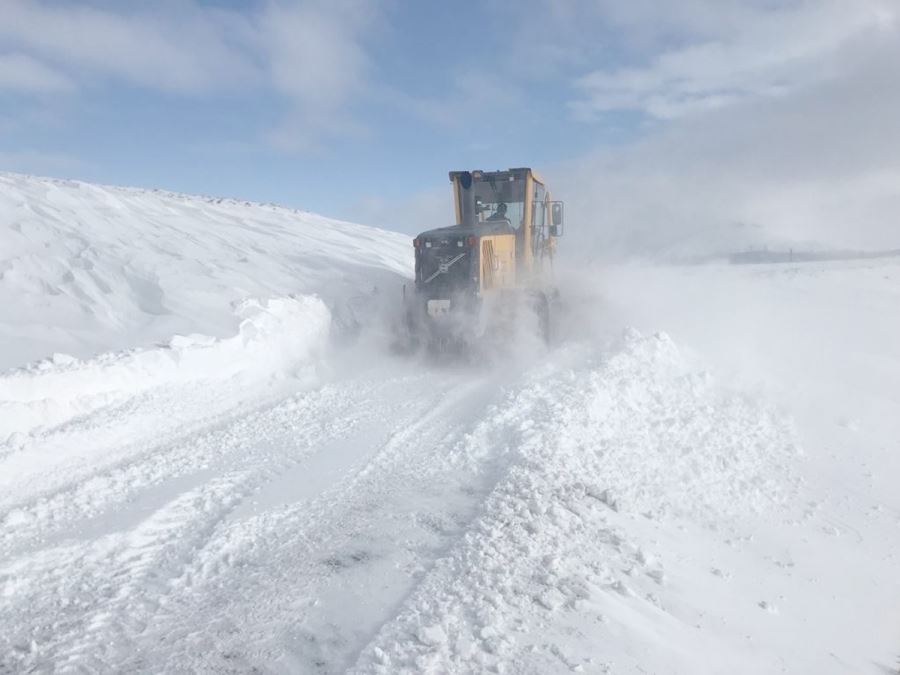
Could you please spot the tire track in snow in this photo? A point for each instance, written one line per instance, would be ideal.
(60, 458)
(131, 570)
(135, 571)
(197, 446)
(296, 555)
(257, 577)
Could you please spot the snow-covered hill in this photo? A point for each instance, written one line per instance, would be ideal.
(197, 475)
(86, 268)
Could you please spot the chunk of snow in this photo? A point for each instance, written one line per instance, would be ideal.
(432, 636)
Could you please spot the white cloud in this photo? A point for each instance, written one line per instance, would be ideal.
(19, 72)
(183, 48)
(315, 56)
(314, 51)
(815, 166)
(311, 53)
(740, 50)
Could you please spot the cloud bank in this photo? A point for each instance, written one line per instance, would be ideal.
(312, 54)
(775, 125)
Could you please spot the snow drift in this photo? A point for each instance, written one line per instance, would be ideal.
(274, 337)
(86, 269)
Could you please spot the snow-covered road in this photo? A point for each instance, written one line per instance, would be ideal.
(299, 532)
(117, 551)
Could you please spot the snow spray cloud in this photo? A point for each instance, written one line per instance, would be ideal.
(801, 155)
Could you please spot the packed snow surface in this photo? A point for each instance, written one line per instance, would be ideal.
(210, 460)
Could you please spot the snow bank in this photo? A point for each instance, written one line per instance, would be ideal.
(274, 337)
(821, 340)
(87, 269)
(558, 574)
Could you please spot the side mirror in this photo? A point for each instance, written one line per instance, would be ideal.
(556, 218)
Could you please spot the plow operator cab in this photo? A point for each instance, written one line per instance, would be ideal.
(474, 277)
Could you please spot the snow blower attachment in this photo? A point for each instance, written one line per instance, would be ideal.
(479, 279)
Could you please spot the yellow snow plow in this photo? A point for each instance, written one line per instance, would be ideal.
(479, 277)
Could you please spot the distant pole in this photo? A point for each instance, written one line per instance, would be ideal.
(791, 255)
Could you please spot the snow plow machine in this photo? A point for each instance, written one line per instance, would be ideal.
(488, 277)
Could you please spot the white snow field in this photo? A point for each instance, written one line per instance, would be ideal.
(116, 267)
(210, 460)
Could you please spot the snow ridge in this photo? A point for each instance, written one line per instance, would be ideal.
(274, 337)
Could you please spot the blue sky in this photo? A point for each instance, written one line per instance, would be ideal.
(358, 109)
(422, 88)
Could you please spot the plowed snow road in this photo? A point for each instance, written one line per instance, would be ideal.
(238, 536)
(293, 523)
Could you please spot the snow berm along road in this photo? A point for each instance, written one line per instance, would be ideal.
(210, 461)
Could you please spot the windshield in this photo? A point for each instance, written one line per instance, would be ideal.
(499, 198)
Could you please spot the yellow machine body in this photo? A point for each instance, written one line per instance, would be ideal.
(502, 246)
